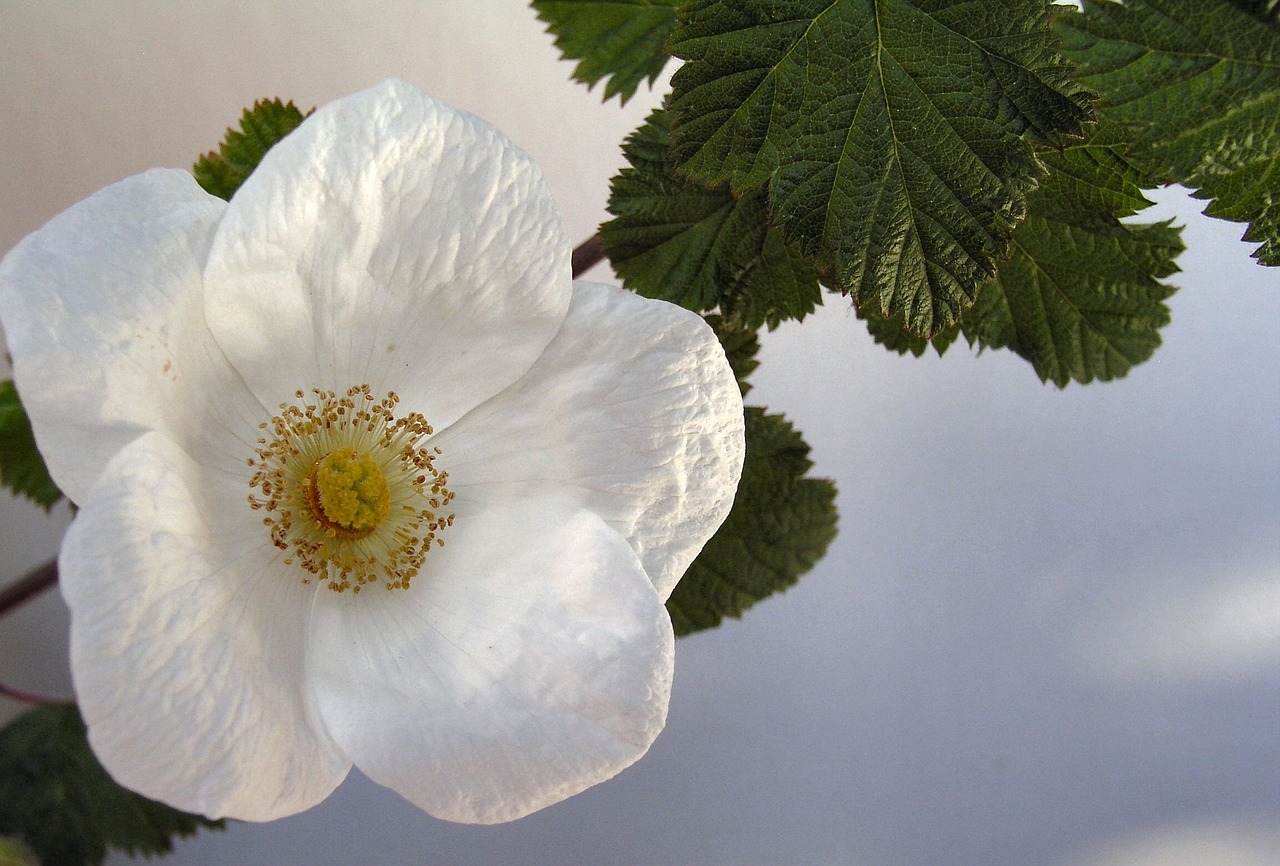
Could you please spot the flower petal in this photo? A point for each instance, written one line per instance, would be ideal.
(633, 411)
(187, 643)
(530, 660)
(392, 241)
(103, 313)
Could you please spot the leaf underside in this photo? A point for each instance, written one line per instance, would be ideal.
(1197, 84)
(620, 41)
(892, 135)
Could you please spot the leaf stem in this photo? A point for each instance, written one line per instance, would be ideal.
(587, 255)
(25, 697)
(28, 586)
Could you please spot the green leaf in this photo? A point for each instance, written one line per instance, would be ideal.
(697, 247)
(261, 127)
(1080, 296)
(1198, 83)
(892, 134)
(14, 853)
(779, 527)
(892, 333)
(622, 40)
(56, 797)
(741, 346)
(22, 469)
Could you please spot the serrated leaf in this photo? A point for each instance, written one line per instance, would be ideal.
(22, 469)
(261, 127)
(57, 798)
(697, 247)
(1080, 296)
(740, 348)
(779, 527)
(1198, 83)
(892, 333)
(619, 40)
(890, 133)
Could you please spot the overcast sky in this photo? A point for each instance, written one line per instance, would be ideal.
(1048, 633)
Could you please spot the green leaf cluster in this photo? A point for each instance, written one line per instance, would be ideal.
(22, 469)
(1197, 85)
(57, 798)
(269, 120)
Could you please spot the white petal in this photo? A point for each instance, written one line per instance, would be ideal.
(103, 313)
(530, 660)
(187, 643)
(392, 241)
(633, 411)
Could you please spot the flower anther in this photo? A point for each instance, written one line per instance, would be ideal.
(349, 490)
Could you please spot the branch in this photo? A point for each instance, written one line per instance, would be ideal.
(28, 586)
(587, 255)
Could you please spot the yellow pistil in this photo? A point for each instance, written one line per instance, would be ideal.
(349, 490)
(347, 493)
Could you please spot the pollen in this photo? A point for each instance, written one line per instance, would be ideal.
(348, 489)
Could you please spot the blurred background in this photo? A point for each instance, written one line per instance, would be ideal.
(1048, 632)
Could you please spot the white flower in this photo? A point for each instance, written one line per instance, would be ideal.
(370, 370)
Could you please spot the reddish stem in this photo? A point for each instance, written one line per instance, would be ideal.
(587, 255)
(28, 586)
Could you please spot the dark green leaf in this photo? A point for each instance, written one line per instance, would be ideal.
(261, 127)
(892, 333)
(891, 134)
(700, 248)
(1198, 83)
(55, 796)
(1080, 295)
(22, 469)
(740, 347)
(780, 526)
(622, 40)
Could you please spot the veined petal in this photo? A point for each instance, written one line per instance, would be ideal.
(393, 241)
(187, 643)
(103, 314)
(633, 411)
(530, 660)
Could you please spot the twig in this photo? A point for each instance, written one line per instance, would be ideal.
(28, 586)
(25, 697)
(587, 255)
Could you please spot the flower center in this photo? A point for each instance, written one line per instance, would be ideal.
(347, 493)
(349, 490)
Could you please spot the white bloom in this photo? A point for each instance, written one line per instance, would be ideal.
(369, 369)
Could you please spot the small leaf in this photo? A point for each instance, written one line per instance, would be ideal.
(1197, 82)
(622, 40)
(55, 796)
(261, 127)
(22, 469)
(780, 526)
(890, 133)
(700, 248)
(1080, 295)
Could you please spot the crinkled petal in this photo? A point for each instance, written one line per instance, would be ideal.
(391, 241)
(633, 411)
(103, 313)
(528, 661)
(187, 643)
